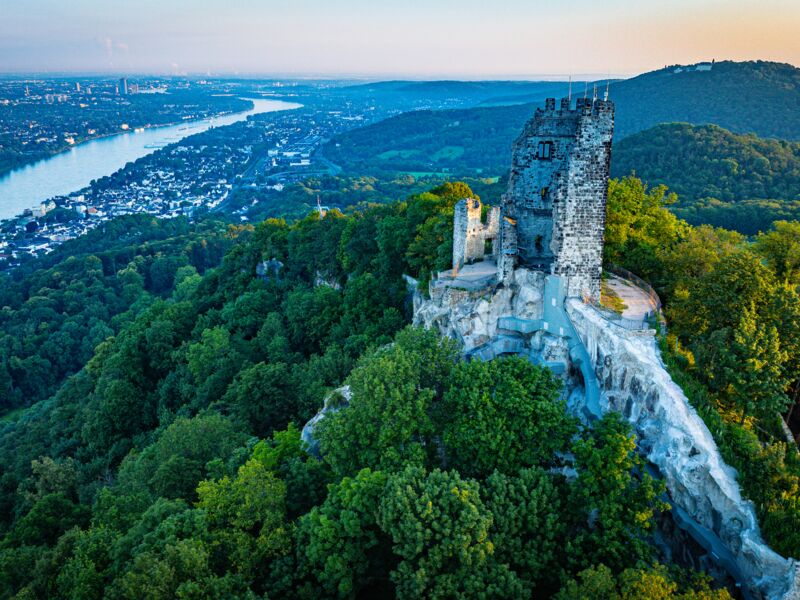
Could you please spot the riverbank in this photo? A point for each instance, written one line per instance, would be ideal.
(131, 130)
(67, 172)
(178, 180)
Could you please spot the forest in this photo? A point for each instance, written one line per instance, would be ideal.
(743, 167)
(163, 457)
(741, 182)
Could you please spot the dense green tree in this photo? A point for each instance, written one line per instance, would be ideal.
(246, 516)
(341, 548)
(439, 528)
(781, 249)
(719, 298)
(599, 583)
(613, 499)
(173, 465)
(262, 397)
(388, 420)
(49, 517)
(527, 527)
(503, 414)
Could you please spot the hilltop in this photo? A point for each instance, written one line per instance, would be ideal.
(743, 167)
(746, 97)
(742, 182)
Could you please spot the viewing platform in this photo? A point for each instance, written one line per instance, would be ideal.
(641, 309)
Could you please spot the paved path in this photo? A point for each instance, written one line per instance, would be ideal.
(638, 301)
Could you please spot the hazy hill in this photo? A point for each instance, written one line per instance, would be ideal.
(483, 92)
(729, 180)
(746, 97)
(708, 161)
(476, 140)
(758, 97)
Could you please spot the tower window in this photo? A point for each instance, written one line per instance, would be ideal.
(544, 192)
(545, 151)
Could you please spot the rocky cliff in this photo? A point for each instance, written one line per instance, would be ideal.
(703, 490)
(623, 370)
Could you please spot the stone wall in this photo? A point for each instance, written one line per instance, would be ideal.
(581, 214)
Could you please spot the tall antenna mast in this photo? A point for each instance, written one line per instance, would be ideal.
(594, 92)
(569, 94)
(608, 83)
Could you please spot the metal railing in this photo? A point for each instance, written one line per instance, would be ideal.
(652, 319)
(638, 282)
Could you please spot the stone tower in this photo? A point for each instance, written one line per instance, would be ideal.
(471, 235)
(555, 206)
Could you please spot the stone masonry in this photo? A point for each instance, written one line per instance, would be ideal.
(554, 209)
(470, 234)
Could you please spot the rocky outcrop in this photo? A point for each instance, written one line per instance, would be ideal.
(471, 316)
(336, 400)
(703, 490)
(623, 371)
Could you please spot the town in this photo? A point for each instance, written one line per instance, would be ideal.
(224, 167)
(197, 174)
(41, 117)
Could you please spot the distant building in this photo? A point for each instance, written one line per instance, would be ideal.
(123, 86)
(322, 210)
(703, 66)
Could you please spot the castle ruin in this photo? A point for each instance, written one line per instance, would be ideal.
(472, 238)
(526, 281)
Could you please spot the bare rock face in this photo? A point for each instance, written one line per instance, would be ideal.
(703, 490)
(471, 316)
(334, 401)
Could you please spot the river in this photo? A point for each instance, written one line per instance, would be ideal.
(73, 169)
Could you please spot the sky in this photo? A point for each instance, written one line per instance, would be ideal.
(467, 39)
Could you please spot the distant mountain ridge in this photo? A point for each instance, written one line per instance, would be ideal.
(758, 97)
(746, 97)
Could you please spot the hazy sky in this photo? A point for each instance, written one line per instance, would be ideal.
(433, 38)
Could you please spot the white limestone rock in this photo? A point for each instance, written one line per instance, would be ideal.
(470, 317)
(675, 439)
(336, 400)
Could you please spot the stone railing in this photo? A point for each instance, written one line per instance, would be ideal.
(638, 282)
(642, 324)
